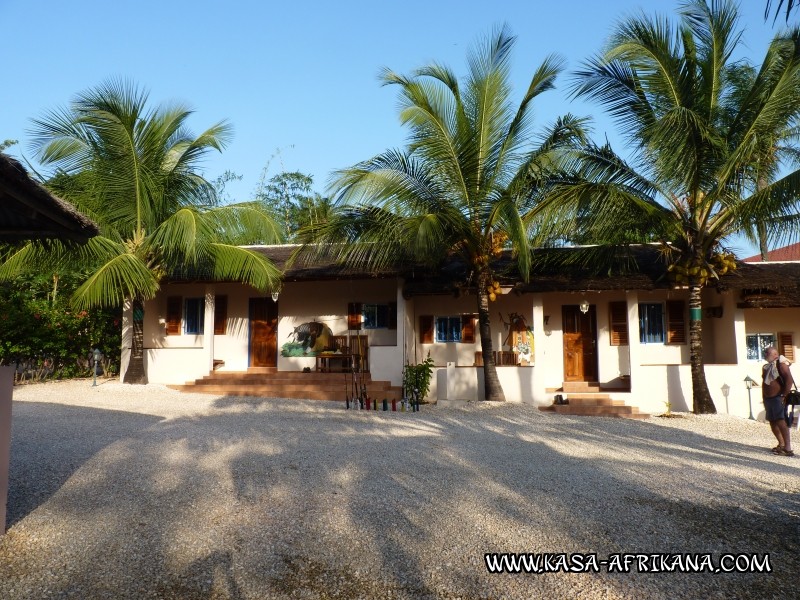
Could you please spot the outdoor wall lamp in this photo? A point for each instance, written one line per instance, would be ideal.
(275, 296)
(750, 383)
(547, 329)
(97, 356)
(584, 306)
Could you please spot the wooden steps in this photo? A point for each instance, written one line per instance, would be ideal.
(586, 399)
(268, 382)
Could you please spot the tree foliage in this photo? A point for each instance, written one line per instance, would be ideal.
(789, 4)
(463, 185)
(134, 171)
(698, 127)
(289, 197)
(43, 337)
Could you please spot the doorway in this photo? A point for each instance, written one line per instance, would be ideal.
(580, 343)
(263, 332)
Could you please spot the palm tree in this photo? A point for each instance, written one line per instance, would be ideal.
(134, 172)
(696, 129)
(790, 5)
(461, 187)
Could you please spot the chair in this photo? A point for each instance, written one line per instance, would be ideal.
(339, 343)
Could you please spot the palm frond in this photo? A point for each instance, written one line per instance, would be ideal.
(244, 223)
(124, 276)
(234, 263)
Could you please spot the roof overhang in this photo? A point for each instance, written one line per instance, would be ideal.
(29, 212)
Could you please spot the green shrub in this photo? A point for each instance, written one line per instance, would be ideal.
(43, 338)
(418, 377)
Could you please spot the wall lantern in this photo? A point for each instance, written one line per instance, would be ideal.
(275, 295)
(750, 383)
(547, 329)
(584, 306)
(97, 356)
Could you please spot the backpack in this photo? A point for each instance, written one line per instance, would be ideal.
(791, 399)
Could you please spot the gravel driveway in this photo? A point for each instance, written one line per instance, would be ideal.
(142, 492)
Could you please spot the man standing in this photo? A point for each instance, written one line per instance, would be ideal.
(777, 383)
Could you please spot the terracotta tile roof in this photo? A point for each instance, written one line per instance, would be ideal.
(790, 252)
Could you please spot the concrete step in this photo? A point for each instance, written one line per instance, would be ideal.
(594, 403)
(580, 386)
(577, 409)
(268, 382)
(277, 392)
(293, 387)
(296, 384)
(247, 375)
(586, 386)
(624, 412)
(599, 400)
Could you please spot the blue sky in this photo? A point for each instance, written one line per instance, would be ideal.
(294, 78)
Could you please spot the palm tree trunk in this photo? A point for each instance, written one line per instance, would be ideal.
(135, 372)
(700, 394)
(762, 241)
(761, 227)
(492, 390)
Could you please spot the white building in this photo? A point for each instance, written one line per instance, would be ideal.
(625, 333)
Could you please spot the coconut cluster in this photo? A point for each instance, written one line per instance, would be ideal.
(700, 271)
(494, 290)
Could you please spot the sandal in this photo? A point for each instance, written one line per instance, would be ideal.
(777, 449)
(785, 452)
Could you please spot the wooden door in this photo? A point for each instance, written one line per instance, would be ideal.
(580, 344)
(263, 332)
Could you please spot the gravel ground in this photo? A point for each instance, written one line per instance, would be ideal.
(142, 492)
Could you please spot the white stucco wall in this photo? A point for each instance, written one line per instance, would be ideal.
(463, 354)
(658, 371)
(173, 359)
(326, 302)
(774, 320)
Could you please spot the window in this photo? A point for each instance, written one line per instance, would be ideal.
(756, 342)
(376, 316)
(651, 323)
(459, 328)
(371, 316)
(448, 329)
(194, 315)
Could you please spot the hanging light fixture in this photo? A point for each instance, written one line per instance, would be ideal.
(584, 306)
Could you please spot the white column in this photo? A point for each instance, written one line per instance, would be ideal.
(127, 338)
(539, 350)
(739, 334)
(208, 329)
(402, 331)
(634, 347)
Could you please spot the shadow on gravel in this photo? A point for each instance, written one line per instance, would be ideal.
(265, 498)
(49, 442)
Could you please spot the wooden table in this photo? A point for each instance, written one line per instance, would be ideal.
(345, 362)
